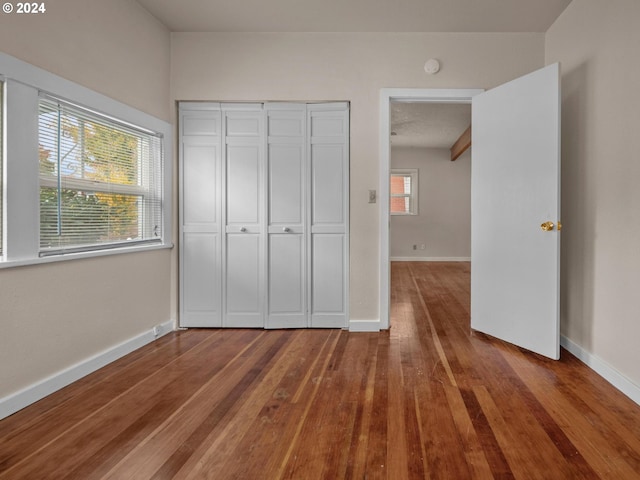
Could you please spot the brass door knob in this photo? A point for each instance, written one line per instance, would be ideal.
(547, 226)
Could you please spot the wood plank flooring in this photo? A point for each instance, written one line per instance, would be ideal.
(427, 399)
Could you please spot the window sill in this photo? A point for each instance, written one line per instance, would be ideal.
(74, 256)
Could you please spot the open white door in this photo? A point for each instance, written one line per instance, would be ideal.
(515, 188)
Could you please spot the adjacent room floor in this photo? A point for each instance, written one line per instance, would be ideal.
(427, 399)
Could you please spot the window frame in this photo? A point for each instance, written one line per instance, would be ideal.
(147, 190)
(413, 174)
(24, 83)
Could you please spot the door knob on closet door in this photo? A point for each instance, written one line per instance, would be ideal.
(286, 229)
(243, 229)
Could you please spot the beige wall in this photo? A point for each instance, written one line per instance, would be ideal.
(55, 315)
(353, 67)
(115, 48)
(443, 223)
(597, 43)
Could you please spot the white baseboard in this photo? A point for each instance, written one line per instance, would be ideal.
(603, 369)
(430, 259)
(31, 394)
(364, 325)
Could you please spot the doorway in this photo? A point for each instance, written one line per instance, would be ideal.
(387, 97)
(430, 204)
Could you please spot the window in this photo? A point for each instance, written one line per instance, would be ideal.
(100, 180)
(404, 192)
(83, 175)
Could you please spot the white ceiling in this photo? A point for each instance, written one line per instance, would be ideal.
(356, 15)
(430, 125)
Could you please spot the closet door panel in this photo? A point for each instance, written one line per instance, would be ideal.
(287, 267)
(286, 125)
(285, 185)
(199, 172)
(201, 297)
(328, 280)
(200, 123)
(243, 184)
(243, 287)
(326, 126)
(329, 245)
(200, 206)
(244, 216)
(242, 125)
(286, 281)
(328, 189)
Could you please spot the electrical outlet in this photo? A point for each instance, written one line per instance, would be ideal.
(423, 246)
(156, 330)
(372, 196)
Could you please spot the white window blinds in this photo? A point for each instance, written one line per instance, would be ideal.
(100, 180)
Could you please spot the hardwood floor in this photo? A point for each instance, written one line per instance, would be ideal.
(427, 399)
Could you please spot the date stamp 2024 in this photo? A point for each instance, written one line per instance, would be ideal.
(24, 8)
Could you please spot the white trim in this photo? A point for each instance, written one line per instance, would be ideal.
(602, 368)
(31, 394)
(364, 325)
(21, 191)
(78, 255)
(430, 259)
(424, 95)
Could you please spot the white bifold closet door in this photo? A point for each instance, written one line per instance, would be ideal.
(329, 161)
(243, 285)
(264, 215)
(200, 210)
(287, 174)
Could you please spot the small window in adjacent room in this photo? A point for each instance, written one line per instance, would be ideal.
(100, 181)
(404, 192)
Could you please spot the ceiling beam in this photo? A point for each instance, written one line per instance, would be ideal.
(461, 145)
